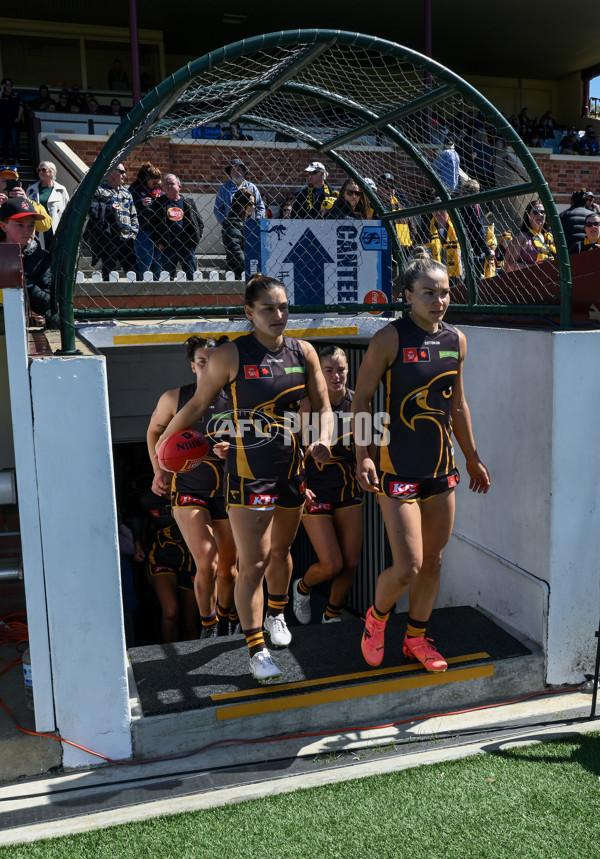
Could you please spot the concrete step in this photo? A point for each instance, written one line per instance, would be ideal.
(190, 694)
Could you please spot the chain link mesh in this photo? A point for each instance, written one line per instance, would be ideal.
(378, 123)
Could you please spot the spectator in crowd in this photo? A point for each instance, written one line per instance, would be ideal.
(233, 132)
(52, 195)
(569, 145)
(476, 232)
(590, 202)
(17, 221)
(242, 208)
(113, 225)
(144, 190)
(545, 130)
(308, 200)
(444, 244)
(588, 144)
(176, 228)
(286, 209)
(116, 108)
(93, 106)
(43, 100)
(64, 104)
(395, 199)
(592, 234)
(117, 78)
(11, 114)
(237, 172)
(573, 218)
(11, 188)
(77, 99)
(351, 203)
(447, 165)
(534, 243)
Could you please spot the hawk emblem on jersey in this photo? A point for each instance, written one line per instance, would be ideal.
(420, 404)
(415, 355)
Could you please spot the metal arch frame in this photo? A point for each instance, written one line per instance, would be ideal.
(156, 105)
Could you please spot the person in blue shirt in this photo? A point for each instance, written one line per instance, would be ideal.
(237, 172)
(447, 164)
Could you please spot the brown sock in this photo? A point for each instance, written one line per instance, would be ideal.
(276, 604)
(254, 640)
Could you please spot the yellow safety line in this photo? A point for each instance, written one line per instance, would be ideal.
(345, 693)
(139, 339)
(340, 678)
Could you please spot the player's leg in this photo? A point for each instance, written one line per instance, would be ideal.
(279, 572)
(348, 524)
(322, 535)
(189, 613)
(165, 588)
(403, 527)
(195, 525)
(437, 518)
(226, 567)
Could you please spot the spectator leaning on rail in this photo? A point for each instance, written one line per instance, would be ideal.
(11, 188)
(52, 195)
(574, 217)
(113, 225)
(592, 234)
(534, 243)
(309, 200)
(176, 228)
(237, 172)
(17, 220)
(351, 203)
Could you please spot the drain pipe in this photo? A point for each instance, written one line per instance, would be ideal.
(8, 487)
(11, 571)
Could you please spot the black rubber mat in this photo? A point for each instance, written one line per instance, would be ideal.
(171, 678)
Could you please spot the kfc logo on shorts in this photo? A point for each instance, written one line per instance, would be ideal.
(321, 505)
(414, 356)
(184, 500)
(403, 488)
(453, 480)
(159, 569)
(263, 500)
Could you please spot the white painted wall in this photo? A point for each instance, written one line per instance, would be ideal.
(81, 561)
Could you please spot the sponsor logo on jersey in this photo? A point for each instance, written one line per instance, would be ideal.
(174, 213)
(263, 500)
(191, 499)
(448, 353)
(321, 505)
(403, 488)
(453, 480)
(414, 355)
(253, 371)
(294, 369)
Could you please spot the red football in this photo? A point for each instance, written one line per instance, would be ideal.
(182, 451)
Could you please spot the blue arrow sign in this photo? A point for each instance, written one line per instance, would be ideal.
(309, 257)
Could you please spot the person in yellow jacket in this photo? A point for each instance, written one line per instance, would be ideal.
(388, 193)
(6, 173)
(489, 266)
(444, 244)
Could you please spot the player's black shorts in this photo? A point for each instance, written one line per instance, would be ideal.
(265, 494)
(326, 508)
(409, 489)
(169, 556)
(187, 501)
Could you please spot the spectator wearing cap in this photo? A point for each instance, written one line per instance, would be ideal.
(592, 235)
(590, 202)
(11, 114)
(52, 195)
(573, 218)
(15, 190)
(237, 172)
(447, 165)
(17, 220)
(112, 225)
(309, 200)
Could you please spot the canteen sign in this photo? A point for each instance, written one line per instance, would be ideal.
(323, 262)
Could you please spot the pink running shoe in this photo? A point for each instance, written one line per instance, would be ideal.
(423, 650)
(371, 644)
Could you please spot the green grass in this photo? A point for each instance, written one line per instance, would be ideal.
(537, 801)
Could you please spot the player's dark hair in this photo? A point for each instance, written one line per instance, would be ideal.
(260, 283)
(242, 198)
(422, 263)
(196, 342)
(332, 351)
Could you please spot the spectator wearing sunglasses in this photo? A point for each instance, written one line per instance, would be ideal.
(534, 243)
(573, 218)
(592, 235)
(351, 203)
(113, 225)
